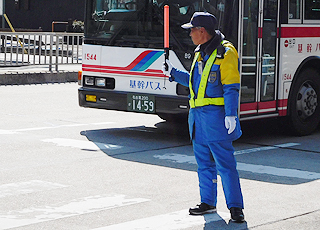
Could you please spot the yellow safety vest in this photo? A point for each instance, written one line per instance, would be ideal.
(200, 100)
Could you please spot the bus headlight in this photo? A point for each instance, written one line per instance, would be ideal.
(101, 82)
(89, 80)
(98, 82)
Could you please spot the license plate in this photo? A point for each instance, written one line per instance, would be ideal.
(141, 103)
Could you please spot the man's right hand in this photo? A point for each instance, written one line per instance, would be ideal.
(230, 123)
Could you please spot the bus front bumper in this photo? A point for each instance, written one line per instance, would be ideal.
(111, 100)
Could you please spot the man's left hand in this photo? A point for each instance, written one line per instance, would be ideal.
(167, 67)
(230, 123)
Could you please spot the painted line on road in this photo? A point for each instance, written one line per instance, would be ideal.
(286, 145)
(51, 127)
(171, 221)
(88, 145)
(33, 215)
(7, 132)
(48, 127)
(177, 158)
(261, 169)
(14, 189)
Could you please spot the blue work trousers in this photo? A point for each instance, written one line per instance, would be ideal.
(218, 156)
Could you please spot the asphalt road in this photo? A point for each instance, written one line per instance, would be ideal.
(66, 167)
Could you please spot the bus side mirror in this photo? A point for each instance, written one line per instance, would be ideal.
(131, 5)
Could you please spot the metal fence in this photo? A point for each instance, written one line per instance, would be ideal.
(40, 48)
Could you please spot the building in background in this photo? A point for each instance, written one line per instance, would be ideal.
(39, 14)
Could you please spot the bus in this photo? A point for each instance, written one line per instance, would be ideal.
(279, 57)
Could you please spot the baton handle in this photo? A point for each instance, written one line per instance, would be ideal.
(166, 57)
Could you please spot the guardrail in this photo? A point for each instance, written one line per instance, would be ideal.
(40, 48)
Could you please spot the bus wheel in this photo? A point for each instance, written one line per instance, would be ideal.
(304, 111)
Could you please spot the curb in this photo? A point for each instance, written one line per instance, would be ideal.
(38, 78)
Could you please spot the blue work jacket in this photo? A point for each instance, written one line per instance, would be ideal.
(207, 123)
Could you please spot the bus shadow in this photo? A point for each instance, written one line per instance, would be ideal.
(260, 130)
(168, 145)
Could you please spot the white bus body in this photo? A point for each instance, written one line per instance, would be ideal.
(279, 57)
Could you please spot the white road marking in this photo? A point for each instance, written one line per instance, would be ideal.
(33, 215)
(19, 188)
(171, 221)
(286, 145)
(179, 158)
(261, 169)
(82, 144)
(50, 127)
(7, 132)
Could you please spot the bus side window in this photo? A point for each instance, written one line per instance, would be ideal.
(294, 9)
(312, 10)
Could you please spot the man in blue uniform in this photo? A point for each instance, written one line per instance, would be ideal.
(214, 84)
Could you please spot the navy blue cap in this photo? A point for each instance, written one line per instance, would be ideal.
(202, 19)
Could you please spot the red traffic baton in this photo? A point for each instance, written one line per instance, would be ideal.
(166, 33)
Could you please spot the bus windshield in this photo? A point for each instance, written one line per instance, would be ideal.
(139, 23)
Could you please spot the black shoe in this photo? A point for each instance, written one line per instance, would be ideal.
(201, 209)
(237, 215)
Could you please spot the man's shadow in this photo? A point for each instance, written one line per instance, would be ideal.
(216, 221)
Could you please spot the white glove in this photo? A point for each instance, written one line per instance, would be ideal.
(167, 72)
(230, 123)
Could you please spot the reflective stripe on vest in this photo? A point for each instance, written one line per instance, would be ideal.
(200, 100)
